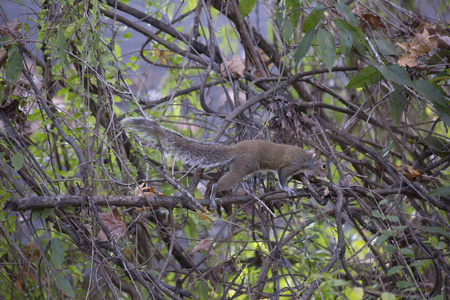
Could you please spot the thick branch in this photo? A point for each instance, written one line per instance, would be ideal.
(40, 202)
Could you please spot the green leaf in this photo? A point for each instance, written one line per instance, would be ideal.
(338, 282)
(438, 297)
(445, 117)
(382, 237)
(404, 284)
(440, 246)
(346, 42)
(42, 33)
(386, 48)
(355, 293)
(366, 77)
(407, 252)
(441, 76)
(73, 27)
(327, 48)
(400, 227)
(386, 149)
(303, 47)
(389, 248)
(294, 7)
(62, 46)
(438, 57)
(359, 38)
(398, 105)
(431, 92)
(439, 145)
(347, 13)
(396, 74)
(191, 229)
(388, 296)
(17, 161)
(393, 218)
(246, 7)
(4, 39)
(57, 253)
(65, 286)
(377, 214)
(343, 25)
(418, 263)
(43, 213)
(288, 31)
(314, 18)
(438, 230)
(96, 42)
(95, 12)
(14, 64)
(395, 270)
(442, 191)
(285, 25)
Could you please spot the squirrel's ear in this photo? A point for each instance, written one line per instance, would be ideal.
(316, 153)
(313, 152)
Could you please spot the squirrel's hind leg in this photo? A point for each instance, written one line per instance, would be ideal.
(228, 181)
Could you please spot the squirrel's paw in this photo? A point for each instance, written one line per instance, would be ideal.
(212, 204)
(291, 193)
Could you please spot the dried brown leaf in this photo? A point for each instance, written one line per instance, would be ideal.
(3, 54)
(145, 191)
(11, 28)
(436, 29)
(162, 55)
(214, 276)
(372, 20)
(443, 41)
(235, 67)
(204, 216)
(114, 223)
(18, 284)
(421, 44)
(203, 244)
(408, 60)
(412, 174)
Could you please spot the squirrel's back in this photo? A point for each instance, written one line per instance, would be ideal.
(190, 151)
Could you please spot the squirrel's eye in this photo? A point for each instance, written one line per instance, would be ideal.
(324, 166)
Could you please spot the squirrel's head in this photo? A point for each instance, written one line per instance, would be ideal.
(319, 167)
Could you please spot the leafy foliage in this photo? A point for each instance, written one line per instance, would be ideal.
(367, 84)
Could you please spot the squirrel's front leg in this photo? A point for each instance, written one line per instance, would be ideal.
(283, 175)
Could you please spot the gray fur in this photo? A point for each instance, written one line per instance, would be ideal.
(192, 152)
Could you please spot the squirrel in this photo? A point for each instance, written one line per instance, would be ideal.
(243, 158)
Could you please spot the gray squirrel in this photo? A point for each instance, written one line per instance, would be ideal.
(243, 158)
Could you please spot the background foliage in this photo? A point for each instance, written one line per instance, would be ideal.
(365, 82)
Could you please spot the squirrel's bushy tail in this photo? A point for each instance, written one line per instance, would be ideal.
(192, 152)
